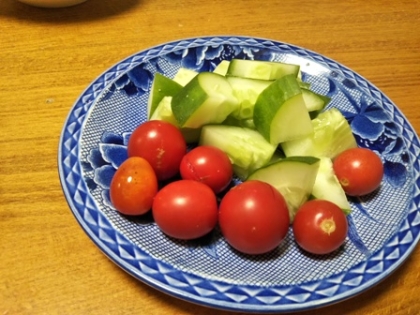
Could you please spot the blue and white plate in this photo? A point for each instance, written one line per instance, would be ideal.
(384, 227)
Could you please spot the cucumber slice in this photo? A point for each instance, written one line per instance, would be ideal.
(314, 102)
(293, 177)
(261, 70)
(246, 148)
(161, 87)
(164, 112)
(332, 135)
(327, 186)
(280, 112)
(222, 67)
(207, 98)
(184, 75)
(247, 92)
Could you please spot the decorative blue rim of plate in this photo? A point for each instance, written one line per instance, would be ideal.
(384, 227)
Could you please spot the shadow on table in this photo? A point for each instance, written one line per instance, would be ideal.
(90, 10)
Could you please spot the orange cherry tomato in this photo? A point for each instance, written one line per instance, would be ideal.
(133, 187)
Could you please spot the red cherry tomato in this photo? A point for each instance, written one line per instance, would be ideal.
(359, 171)
(185, 209)
(133, 187)
(320, 227)
(161, 144)
(253, 217)
(208, 165)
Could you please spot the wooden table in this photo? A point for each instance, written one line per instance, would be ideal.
(47, 57)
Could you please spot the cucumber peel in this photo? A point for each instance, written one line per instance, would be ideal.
(206, 99)
(164, 112)
(161, 87)
(276, 111)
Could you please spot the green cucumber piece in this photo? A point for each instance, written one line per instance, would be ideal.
(261, 70)
(208, 98)
(164, 112)
(280, 112)
(247, 92)
(222, 67)
(293, 177)
(314, 102)
(327, 186)
(246, 148)
(332, 135)
(184, 75)
(161, 87)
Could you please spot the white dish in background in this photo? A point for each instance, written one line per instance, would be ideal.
(52, 3)
(384, 227)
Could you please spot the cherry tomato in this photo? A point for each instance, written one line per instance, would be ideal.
(320, 227)
(185, 209)
(359, 171)
(208, 165)
(161, 144)
(253, 217)
(133, 187)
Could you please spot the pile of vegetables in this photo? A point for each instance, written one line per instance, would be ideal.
(257, 121)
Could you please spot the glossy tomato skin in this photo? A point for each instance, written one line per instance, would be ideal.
(359, 170)
(253, 217)
(185, 209)
(208, 165)
(320, 227)
(133, 187)
(161, 144)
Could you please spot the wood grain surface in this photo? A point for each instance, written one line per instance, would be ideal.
(48, 265)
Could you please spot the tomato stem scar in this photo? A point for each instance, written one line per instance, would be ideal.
(328, 225)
